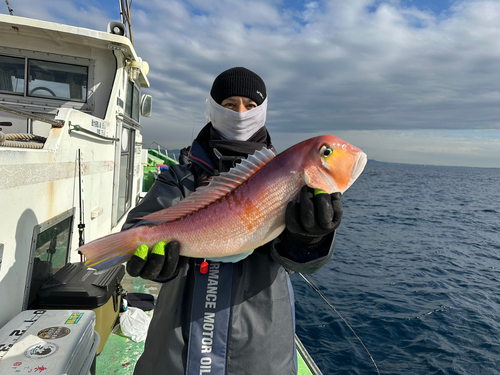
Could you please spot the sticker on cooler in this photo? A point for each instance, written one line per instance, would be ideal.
(52, 333)
(16, 334)
(20, 368)
(74, 318)
(42, 350)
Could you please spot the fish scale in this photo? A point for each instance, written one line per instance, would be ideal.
(239, 210)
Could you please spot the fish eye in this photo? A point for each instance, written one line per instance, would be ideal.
(325, 151)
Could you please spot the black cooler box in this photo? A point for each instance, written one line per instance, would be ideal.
(75, 286)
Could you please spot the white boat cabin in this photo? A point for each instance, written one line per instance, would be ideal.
(70, 106)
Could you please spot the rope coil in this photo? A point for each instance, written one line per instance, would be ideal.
(22, 140)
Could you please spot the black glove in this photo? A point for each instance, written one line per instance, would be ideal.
(160, 265)
(314, 216)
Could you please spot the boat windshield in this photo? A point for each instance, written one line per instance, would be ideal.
(39, 78)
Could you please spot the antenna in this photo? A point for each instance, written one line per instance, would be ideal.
(125, 16)
(11, 11)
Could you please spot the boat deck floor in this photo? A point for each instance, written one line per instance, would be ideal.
(120, 353)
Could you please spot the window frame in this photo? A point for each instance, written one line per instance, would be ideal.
(42, 228)
(27, 93)
(50, 104)
(16, 93)
(135, 93)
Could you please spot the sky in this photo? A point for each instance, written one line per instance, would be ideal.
(407, 81)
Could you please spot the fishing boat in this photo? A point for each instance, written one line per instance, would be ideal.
(70, 150)
(70, 146)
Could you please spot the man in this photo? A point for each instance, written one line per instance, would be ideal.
(237, 316)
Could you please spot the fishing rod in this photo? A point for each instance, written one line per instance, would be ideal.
(322, 295)
(81, 226)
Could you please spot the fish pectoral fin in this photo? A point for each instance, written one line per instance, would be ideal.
(320, 183)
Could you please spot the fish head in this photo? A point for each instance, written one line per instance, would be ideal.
(331, 164)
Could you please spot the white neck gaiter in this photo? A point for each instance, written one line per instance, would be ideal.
(235, 126)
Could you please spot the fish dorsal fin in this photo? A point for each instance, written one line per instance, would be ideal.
(218, 187)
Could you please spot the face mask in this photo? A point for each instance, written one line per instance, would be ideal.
(235, 126)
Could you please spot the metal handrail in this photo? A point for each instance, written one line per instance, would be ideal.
(55, 123)
(86, 131)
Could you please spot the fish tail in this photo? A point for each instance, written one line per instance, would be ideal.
(110, 250)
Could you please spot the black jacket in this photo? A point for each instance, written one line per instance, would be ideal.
(261, 328)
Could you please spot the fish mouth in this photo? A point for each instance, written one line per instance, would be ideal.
(358, 167)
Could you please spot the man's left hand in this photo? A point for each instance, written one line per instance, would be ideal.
(316, 215)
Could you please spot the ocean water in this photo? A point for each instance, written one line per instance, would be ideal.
(416, 273)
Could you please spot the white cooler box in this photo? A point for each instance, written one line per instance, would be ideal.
(49, 342)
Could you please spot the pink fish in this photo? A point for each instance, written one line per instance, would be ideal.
(239, 210)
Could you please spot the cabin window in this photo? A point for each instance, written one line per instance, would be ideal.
(132, 102)
(43, 79)
(127, 141)
(12, 74)
(49, 253)
(57, 80)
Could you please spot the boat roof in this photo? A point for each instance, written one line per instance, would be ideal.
(64, 34)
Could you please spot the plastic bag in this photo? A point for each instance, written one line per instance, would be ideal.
(134, 324)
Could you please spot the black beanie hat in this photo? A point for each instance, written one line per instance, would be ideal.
(238, 82)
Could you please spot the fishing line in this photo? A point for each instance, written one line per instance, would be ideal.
(322, 295)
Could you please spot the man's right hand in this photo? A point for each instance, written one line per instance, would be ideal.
(160, 265)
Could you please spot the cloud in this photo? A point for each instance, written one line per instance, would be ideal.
(357, 68)
(89, 14)
(330, 66)
(443, 147)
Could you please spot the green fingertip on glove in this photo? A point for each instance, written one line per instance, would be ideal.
(142, 251)
(159, 248)
(317, 192)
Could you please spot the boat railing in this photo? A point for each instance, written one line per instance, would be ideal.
(79, 128)
(17, 112)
